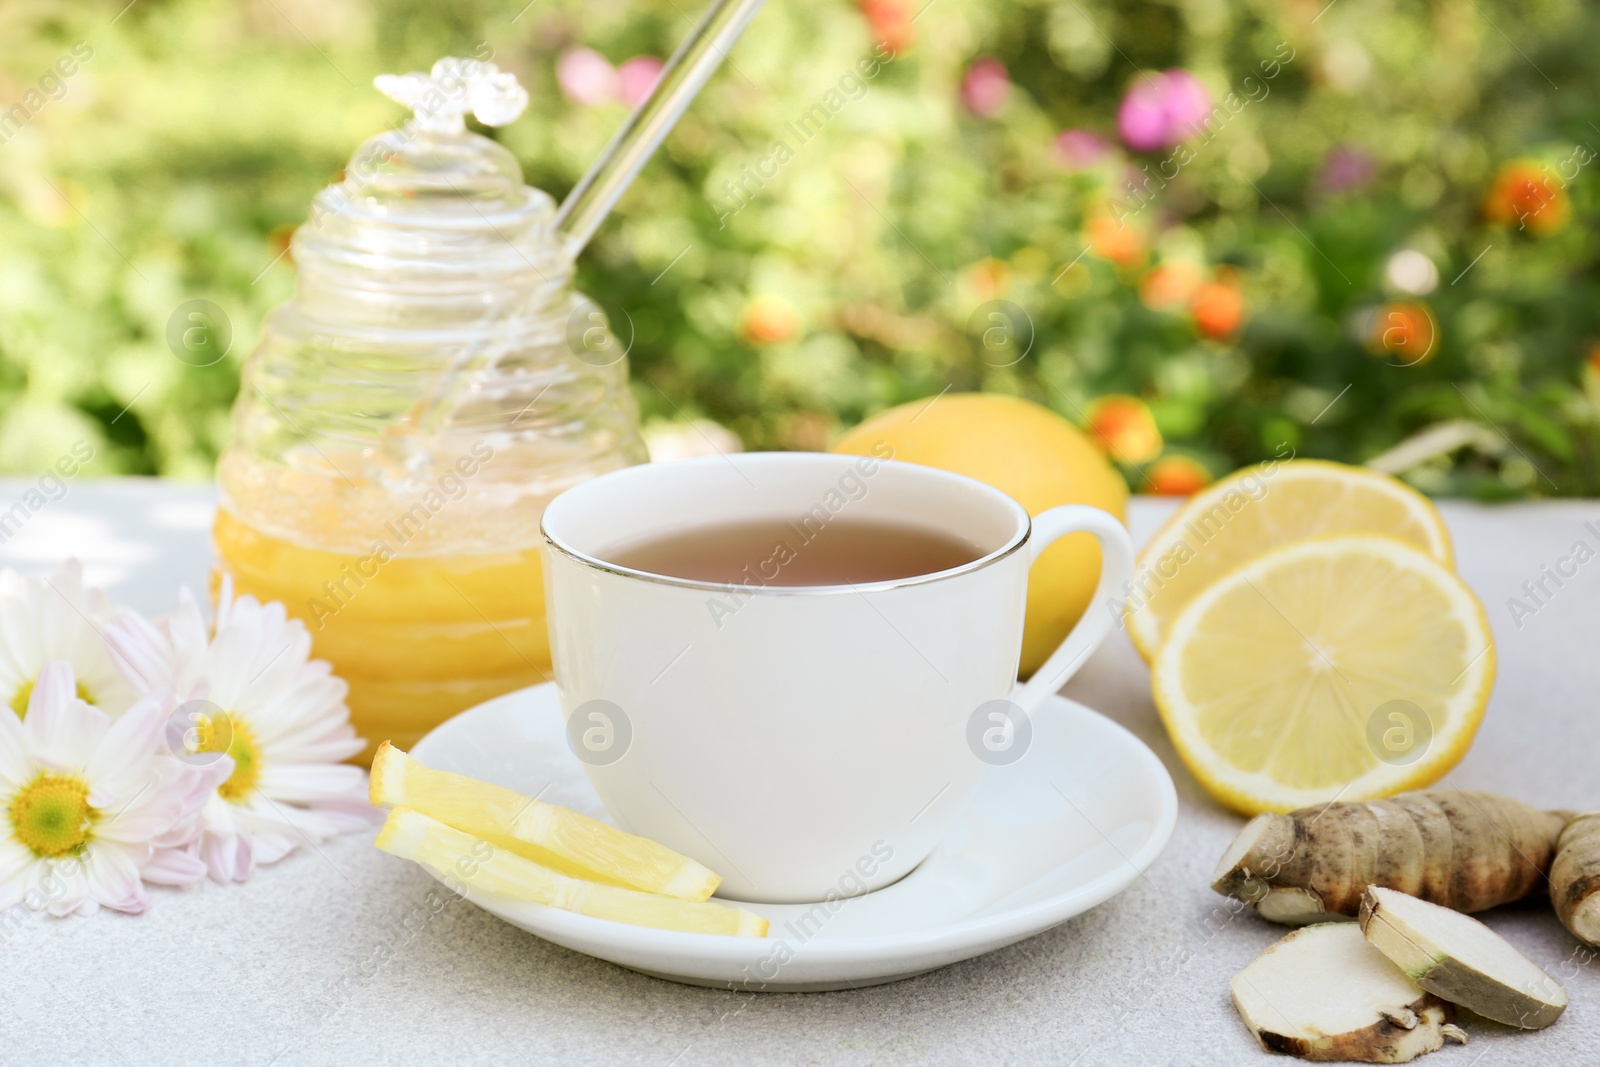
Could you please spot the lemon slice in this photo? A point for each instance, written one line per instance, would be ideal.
(1346, 667)
(470, 864)
(1257, 509)
(557, 837)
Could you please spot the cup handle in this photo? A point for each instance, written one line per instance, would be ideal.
(1116, 567)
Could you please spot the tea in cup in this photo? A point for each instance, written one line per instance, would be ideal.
(796, 667)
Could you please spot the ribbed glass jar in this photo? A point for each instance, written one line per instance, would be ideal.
(406, 417)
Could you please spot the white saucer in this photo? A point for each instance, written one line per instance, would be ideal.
(1081, 815)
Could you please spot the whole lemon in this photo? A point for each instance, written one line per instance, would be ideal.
(1040, 460)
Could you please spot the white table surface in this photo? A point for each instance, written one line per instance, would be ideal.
(309, 963)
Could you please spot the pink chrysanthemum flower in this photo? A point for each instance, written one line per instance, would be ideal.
(94, 808)
(56, 617)
(254, 692)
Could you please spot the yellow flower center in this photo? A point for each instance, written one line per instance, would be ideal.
(51, 814)
(24, 693)
(226, 732)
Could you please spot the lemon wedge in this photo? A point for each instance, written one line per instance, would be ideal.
(470, 864)
(1257, 509)
(1346, 667)
(557, 837)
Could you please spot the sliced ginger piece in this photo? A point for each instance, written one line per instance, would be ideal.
(1324, 993)
(1457, 958)
(471, 864)
(556, 837)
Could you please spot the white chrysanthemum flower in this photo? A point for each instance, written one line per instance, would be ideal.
(277, 712)
(93, 807)
(56, 617)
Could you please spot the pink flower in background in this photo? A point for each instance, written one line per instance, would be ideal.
(1187, 104)
(1162, 110)
(1079, 149)
(985, 87)
(1142, 118)
(1344, 169)
(637, 77)
(587, 77)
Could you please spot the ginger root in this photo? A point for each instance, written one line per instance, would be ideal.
(1466, 851)
(1575, 878)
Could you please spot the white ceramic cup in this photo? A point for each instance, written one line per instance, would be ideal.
(802, 741)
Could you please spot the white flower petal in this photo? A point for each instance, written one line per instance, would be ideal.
(62, 887)
(270, 848)
(308, 825)
(196, 788)
(174, 866)
(113, 877)
(127, 745)
(313, 782)
(224, 599)
(12, 892)
(313, 706)
(20, 654)
(46, 617)
(270, 835)
(62, 730)
(140, 651)
(142, 817)
(14, 859)
(186, 629)
(331, 750)
(228, 857)
(349, 819)
(15, 768)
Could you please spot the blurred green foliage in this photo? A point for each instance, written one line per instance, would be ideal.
(174, 160)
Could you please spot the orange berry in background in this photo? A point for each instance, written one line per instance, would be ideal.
(1525, 195)
(1594, 358)
(891, 22)
(1177, 476)
(988, 278)
(1218, 310)
(1114, 241)
(1124, 429)
(1404, 333)
(1169, 285)
(768, 320)
(280, 241)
